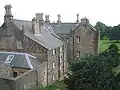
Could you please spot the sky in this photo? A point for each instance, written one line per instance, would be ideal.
(106, 11)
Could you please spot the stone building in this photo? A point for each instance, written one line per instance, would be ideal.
(54, 44)
(5, 70)
(36, 37)
(81, 37)
(17, 63)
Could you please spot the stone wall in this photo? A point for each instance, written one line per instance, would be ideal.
(5, 70)
(88, 41)
(30, 79)
(53, 65)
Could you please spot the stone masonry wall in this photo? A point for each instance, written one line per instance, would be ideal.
(30, 79)
(5, 70)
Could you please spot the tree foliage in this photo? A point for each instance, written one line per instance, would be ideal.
(94, 72)
(112, 33)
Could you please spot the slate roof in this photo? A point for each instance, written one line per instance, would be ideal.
(2, 31)
(21, 60)
(65, 27)
(47, 39)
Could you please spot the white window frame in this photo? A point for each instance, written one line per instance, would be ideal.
(67, 40)
(61, 49)
(61, 57)
(53, 77)
(53, 52)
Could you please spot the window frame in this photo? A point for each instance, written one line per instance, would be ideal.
(53, 65)
(77, 38)
(53, 52)
(77, 53)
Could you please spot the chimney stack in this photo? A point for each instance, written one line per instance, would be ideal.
(59, 19)
(8, 15)
(77, 21)
(39, 16)
(84, 21)
(36, 27)
(47, 19)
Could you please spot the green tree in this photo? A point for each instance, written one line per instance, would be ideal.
(94, 72)
(115, 33)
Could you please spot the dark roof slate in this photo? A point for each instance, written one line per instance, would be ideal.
(21, 60)
(46, 39)
(64, 28)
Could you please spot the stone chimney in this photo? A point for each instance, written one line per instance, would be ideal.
(59, 19)
(39, 16)
(47, 20)
(8, 15)
(36, 27)
(77, 21)
(84, 21)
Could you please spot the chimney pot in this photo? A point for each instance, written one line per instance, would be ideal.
(47, 19)
(84, 21)
(8, 10)
(39, 16)
(59, 19)
(8, 15)
(77, 21)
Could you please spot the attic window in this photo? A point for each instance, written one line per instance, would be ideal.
(9, 58)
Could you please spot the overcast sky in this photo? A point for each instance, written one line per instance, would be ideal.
(106, 11)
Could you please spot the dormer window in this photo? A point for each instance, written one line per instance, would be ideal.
(9, 58)
(77, 39)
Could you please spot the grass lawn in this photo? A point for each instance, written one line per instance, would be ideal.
(104, 44)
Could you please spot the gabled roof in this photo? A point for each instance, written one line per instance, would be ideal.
(47, 37)
(63, 27)
(21, 60)
(2, 30)
(6, 33)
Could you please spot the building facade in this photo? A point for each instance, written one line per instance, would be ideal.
(81, 37)
(53, 43)
(35, 37)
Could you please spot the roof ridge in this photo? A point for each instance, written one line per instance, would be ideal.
(22, 20)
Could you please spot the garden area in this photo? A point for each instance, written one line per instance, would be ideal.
(104, 44)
